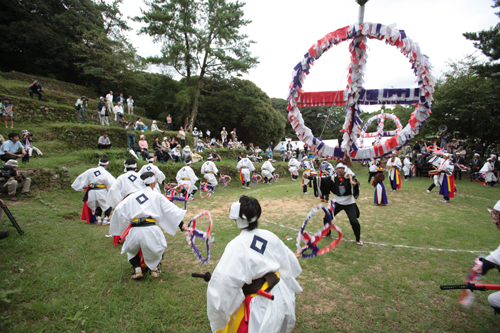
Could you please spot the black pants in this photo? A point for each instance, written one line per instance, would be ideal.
(431, 187)
(352, 212)
(6, 157)
(418, 171)
(40, 95)
(101, 146)
(371, 174)
(98, 212)
(459, 172)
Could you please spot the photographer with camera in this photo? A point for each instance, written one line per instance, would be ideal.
(27, 139)
(35, 88)
(12, 181)
(10, 149)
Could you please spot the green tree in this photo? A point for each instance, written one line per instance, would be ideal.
(240, 104)
(467, 103)
(199, 38)
(488, 41)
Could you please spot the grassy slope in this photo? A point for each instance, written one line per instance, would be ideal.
(65, 275)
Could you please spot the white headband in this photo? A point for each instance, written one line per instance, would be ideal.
(497, 206)
(150, 159)
(234, 214)
(128, 166)
(149, 180)
(102, 163)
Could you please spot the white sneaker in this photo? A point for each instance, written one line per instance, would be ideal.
(155, 273)
(137, 273)
(360, 243)
(105, 221)
(99, 220)
(243, 186)
(444, 201)
(306, 192)
(142, 131)
(248, 188)
(428, 191)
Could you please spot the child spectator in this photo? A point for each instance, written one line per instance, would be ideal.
(8, 112)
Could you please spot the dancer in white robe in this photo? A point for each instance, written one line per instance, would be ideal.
(267, 170)
(308, 167)
(407, 165)
(125, 184)
(143, 213)
(209, 171)
(293, 167)
(393, 167)
(150, 167)
(487, 172)
(98, 180)
(245, 166)
(187, 178)
(247, 259)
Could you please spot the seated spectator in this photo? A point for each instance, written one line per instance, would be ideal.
(139, 125)
(218, 144)
(199, 146)
(286, 156)
(162, 156)
(186, 151)
(197, 158)
(173, 143)
(215, 157)
(240, 156)
(104, 142)
(156, 143)
(176, 155)
(257, 150)
(165, 144)
(122, 122)
(230, 144)
(35, 88)
(143, 144)
(16, 181)
(225, 143)
(27, 139)
(251, 148)
(154, 127)
(2, 140)
(10, 149)
(212, 141)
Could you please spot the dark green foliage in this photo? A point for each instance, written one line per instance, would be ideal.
(241, 104)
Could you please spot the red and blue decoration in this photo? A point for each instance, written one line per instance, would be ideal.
(312, 241)
(192, 233)
(355, 95)
(224, 180)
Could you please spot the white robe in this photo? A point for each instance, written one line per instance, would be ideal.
(446, 166)
(209, 170)
(96, 198)
(186, 176)
(267, 170)
(159, 175)
(326, 169)
(125, 184)
(151, 240)
(391, 165)
(293, 166)
(250, 256)
(487, 171)
(308, 166)
(245, 166)
(407, 166)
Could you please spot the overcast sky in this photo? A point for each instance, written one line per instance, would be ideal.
(284, 31)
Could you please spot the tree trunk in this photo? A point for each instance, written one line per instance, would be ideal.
(194, 111)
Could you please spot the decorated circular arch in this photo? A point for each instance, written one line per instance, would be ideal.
(354, 94)
(380, 133)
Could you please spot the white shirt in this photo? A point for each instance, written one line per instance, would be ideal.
(130, 101)
(118, 109)
(109, 97)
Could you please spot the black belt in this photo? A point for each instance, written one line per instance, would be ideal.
(271, 278)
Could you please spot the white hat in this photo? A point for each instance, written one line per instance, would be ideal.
(14, 163)
(457, 153)
(497, 206)
(165, 138)
(154, 121)
(101, 97)
(340, 165)
(195, 128)
(209, 157)
(394, 152)
(477, 154)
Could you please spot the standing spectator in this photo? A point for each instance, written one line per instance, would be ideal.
(233, 134)
(103, 112)
(118, 110)
(458, 159)
(416, 148)
(130, 135)
(419, 164)
(130, 105)
(109, 101)
(289, 146)
(444, 140)
(154, 127)
(207, 133)
(182, 136)
(282, 149)
(169, 122)
(272, 147)
(104, 142)
(195, 135)
(297, 149)
(139, 125)
(18, 181)
(8, 112)
(223, 134)
(120, 99)
(10, 148)
(35, 88)
(475, 164)
(80, 106)
(143, 144)
(477, 149)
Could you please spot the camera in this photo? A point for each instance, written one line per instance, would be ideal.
(7, 171)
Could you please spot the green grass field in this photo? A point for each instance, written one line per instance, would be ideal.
(66, 276)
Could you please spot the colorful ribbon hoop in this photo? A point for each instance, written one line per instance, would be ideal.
(223, 181)
(174, 193)
(256, 178)
(436, 149)
(312, 241)
(206, 190)
(192, 233)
